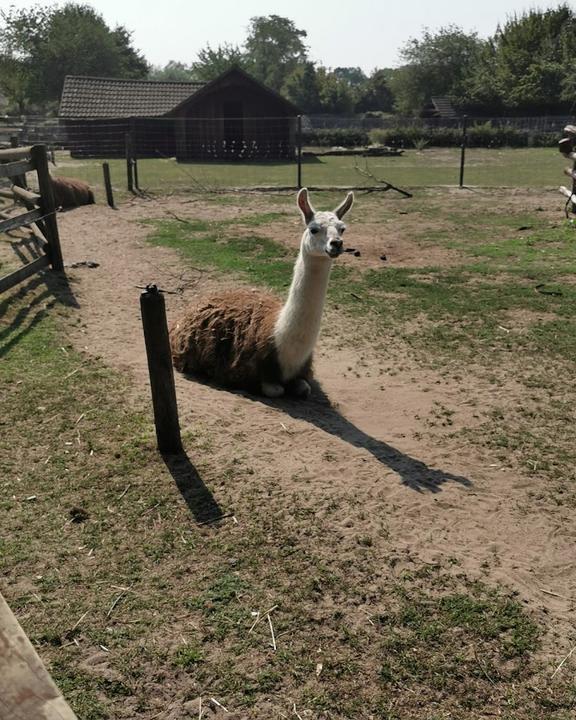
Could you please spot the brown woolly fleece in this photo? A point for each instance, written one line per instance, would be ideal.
(70, 193)
(229, 339)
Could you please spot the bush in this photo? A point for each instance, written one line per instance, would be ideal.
(484, 135)
(336, 137)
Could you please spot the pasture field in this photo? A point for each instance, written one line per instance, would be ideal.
(535, 167)
(410, 529)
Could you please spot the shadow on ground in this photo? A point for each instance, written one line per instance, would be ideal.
(199, 499)
(319, 411)
(33, 299)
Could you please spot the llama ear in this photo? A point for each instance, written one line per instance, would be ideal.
(305, 208)
(344, 206)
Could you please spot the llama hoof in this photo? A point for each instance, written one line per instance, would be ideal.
(272, 390)
(299, 388)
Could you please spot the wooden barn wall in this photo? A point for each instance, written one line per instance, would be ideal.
(208, 128)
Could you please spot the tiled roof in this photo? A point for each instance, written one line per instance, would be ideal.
(93, 97)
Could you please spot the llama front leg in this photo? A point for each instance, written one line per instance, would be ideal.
(272, 390)
(299, 387)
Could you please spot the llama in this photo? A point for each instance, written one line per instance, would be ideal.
(70, 193)
(252, 341)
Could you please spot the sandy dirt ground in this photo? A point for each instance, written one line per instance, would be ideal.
(363, 441)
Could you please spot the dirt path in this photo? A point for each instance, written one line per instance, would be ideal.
(367, 462)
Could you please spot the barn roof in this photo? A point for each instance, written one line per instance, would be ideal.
(96, 97)
(235, 75)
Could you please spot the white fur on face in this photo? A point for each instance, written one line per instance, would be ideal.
(323, 237)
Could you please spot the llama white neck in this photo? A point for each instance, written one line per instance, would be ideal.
(298, 323)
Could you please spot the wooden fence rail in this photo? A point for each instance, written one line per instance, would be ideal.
(27, 692)
(40, 215)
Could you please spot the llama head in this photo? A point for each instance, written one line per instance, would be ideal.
(324, 230)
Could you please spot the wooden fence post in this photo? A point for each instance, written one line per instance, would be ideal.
(299, 146)
(108, 184)
(129, 167)
(19, 180)
(39, 157)
(153, 309)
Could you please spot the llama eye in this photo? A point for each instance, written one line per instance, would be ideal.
(342, 231)
(314, 229)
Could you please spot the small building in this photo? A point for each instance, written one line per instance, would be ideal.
(440, 108)
(233, 117)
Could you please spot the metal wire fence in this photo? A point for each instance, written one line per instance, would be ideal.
(196, 154)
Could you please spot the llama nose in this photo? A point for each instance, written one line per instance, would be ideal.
(335, 244)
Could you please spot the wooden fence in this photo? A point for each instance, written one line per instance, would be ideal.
(40, 210)
(27, 692)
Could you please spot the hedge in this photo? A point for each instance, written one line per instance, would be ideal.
(336, 137)
(485, 136)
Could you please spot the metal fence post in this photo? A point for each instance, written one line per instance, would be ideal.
(463, 148)
(129, 170)
(153, 309)
(299, 146)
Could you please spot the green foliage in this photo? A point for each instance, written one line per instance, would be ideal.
(532, 59)
(173, 71)
(483, 135)
(376, 93)
(212, 63)
(341, 137)
(44, 44)
(274, 48)
(438, 63)
(302, 88)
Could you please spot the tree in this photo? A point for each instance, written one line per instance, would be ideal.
(354, 76)
(173, 71)
(274, 48)
(212, 63)
(20, 37)
(302, 88)
(49, 43)
(375, 92)
(336, 95)
(440, 63)
(531, 62)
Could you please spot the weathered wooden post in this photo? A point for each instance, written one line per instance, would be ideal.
(129, 166)
(18, 180)
(153, 309)
(39, 157)
(108, 184)
(299, 146)
(463, 148)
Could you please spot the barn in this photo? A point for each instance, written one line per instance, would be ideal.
(233, 117)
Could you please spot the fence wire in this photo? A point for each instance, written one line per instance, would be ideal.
(199, 154)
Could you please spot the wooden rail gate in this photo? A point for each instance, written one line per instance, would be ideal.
(40, 210)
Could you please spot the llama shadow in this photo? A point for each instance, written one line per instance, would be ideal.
(196, 495)
(319, 411)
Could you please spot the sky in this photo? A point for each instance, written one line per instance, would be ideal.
(364, 33)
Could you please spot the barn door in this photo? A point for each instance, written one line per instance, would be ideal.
(233, 127)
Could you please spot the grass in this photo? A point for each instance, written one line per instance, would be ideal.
(534, 167)
(156, 602)
(506, 305)
(137, 608)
